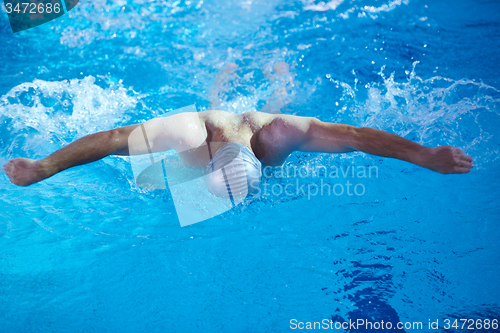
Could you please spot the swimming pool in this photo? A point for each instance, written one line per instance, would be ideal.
(88, 250)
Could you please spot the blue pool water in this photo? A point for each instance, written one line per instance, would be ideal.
(89, 251)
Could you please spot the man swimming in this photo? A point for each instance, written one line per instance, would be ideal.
(266, 138)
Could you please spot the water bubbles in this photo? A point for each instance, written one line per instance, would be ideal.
(328, 76)
(65, 108)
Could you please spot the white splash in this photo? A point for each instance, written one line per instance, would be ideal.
(321, 7)
(64, 109)
(385, 7)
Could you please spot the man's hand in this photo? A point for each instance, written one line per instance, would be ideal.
(448, 159)
(23, 171)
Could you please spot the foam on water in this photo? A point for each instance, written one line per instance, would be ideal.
(39, 112)
(353, 8)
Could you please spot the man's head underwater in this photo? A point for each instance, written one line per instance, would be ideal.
(234, 172)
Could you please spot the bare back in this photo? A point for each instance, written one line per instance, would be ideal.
(270, 137)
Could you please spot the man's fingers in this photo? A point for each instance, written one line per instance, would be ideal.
(462, 169)
(466, 158)
(460, 154)
(6, 168)
(464, 164)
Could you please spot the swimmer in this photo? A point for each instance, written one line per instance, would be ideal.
(267, 139)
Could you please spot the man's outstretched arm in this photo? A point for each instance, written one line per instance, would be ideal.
(90, 148)
(129, 140)
(321, 136)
